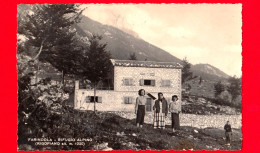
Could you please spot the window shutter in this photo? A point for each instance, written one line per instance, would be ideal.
(131, 82)
(125, 100)
(152, 82)
(141, 82)
(162, 83)
(99, 99)
(87, 99)
(130, 100)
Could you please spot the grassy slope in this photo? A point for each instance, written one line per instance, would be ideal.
(111, 126)
(122, 134)
(108, 130)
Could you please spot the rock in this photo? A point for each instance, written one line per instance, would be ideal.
(131, 146)
(196, 131)
(25, 147)
(190, 137)
(208, 146)
(120, 134)
(134, 135)
(107, 149)
(101, 146)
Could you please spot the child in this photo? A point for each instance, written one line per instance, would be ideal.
(228, 133)
(175, 109)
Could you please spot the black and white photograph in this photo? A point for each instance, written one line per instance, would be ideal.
(129, 77)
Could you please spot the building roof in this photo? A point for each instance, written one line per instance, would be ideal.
(150, 64)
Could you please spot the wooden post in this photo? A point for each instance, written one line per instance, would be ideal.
(76, 93)
(95, 98)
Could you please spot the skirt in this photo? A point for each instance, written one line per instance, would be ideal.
(140, 114)
(175, 121)
(159, 121)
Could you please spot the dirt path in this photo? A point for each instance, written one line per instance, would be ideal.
(198, 121)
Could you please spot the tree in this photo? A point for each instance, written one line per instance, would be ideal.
(66, 59)
(186, 73)
(96, 63)
(218, 88)
(132, 56)
(48, 29)
(234, 87)
(49, 25)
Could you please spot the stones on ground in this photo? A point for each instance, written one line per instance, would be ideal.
(209, 147)
(130, 146)
(190, 137)
(120, 134)
(102, 146)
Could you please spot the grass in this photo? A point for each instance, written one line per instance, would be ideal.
(122, 134)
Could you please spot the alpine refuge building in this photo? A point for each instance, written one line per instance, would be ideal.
(119, 91)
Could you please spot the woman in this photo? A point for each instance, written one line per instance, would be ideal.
(175, 109)
(140, 108)
(160, 111)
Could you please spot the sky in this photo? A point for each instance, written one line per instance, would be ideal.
(203, 33)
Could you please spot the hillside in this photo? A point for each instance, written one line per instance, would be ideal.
(108, 131)
(208, 71)
(121, 45)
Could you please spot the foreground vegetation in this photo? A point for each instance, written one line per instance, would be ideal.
(107, 131)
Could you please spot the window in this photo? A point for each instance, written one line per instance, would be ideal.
(90, 99)
(166, 83)
(146, 82)
(128, 100)
(128, 82)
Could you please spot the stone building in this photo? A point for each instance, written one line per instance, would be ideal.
(119, 91)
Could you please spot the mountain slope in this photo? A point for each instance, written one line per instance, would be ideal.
(121, 45)
(209, 69)
(208, 72)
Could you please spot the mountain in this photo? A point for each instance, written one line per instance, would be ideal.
(209, 72)
(121, 44)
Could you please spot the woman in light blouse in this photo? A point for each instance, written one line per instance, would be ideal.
(140, 108)
(175, 109)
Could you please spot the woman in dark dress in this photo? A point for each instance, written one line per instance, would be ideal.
(160, 112)
(140, 108)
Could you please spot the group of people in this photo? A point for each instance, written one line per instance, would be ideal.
(161, 108)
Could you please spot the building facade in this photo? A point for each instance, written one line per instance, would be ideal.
(127, 77)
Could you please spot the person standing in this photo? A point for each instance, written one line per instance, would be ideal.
(228, 133)
(140, 108)
(160, 111)
(175, 109)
